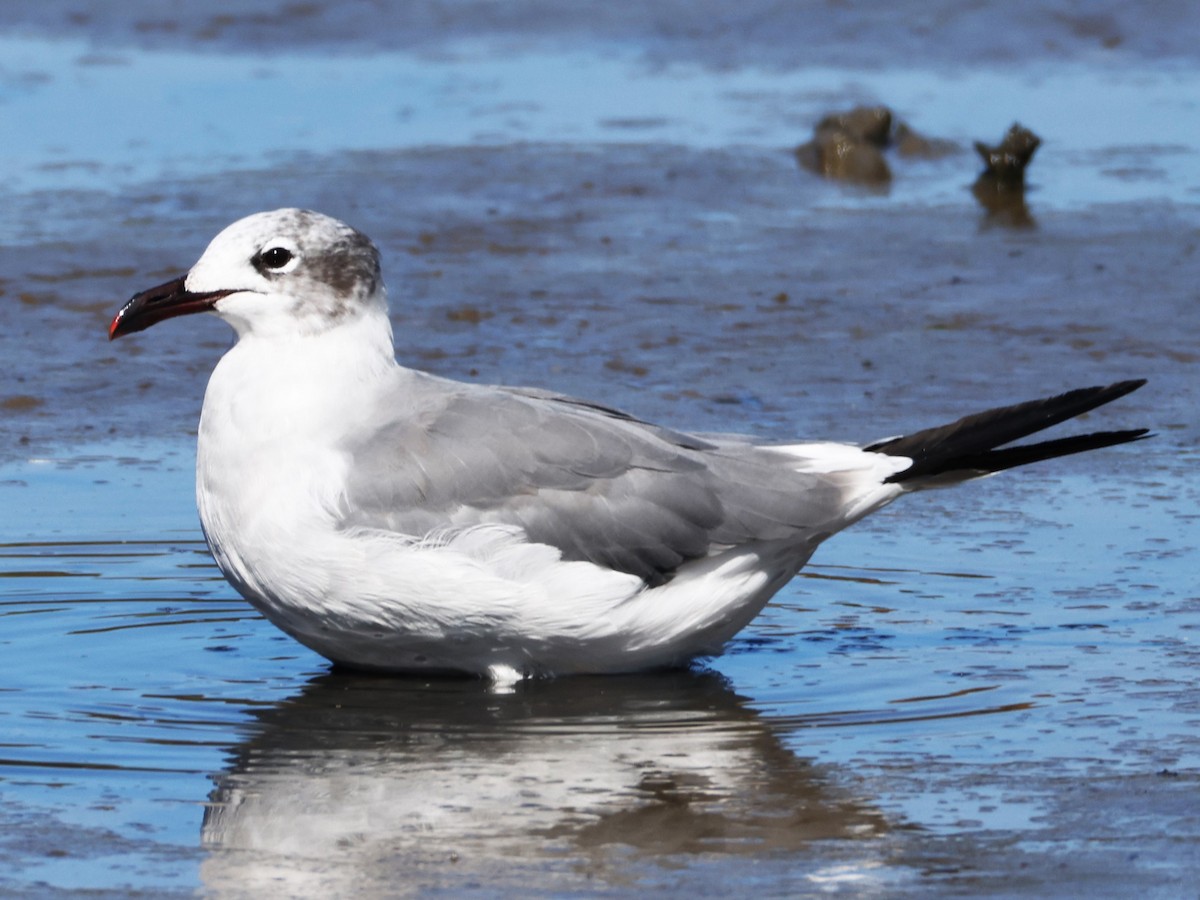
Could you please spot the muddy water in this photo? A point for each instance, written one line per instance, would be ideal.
(988, 691)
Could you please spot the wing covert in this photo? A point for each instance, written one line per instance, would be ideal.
(597, 484)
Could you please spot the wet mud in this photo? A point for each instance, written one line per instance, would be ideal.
(603, 272)
(759, 32)
(985, 692)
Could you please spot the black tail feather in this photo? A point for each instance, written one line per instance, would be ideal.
(970, 444)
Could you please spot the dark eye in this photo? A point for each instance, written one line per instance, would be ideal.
(276, 257)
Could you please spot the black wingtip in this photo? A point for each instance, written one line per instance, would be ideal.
(1111, 392)
(975, 444)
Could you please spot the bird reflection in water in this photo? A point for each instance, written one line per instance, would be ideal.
(357, 782)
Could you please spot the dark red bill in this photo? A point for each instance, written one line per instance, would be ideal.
(163, 302)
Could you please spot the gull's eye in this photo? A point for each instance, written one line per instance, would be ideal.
(276, 257)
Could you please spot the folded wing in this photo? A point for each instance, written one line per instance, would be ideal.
(597, 484)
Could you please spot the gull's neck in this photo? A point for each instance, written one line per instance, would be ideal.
(270, 456)
(306, 387)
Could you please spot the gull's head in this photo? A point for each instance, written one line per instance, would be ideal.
(282, 273)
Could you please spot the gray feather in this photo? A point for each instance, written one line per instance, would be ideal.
(596, 483)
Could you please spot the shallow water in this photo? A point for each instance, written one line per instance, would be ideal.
(986, 691)
(158, 732)
(212, 114)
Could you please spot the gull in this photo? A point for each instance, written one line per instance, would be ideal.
(396, 521)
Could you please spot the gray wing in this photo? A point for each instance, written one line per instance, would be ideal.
(597, 484)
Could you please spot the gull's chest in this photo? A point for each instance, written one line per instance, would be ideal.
(269, 472)
(269, 510)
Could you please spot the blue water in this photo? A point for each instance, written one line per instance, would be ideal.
(936, 685)
(77, 115)
(138, 686)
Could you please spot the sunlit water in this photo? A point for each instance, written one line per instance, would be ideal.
(174, 738)
(951, 667)
(75, 116)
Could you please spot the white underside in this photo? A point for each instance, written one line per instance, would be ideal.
(481, 600)
(487, 602)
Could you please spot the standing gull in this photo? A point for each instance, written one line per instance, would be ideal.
(397, 521)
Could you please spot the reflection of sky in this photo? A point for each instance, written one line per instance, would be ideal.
(72, 117)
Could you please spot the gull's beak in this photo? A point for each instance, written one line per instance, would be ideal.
(163, 302)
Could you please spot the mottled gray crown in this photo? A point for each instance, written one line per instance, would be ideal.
(336, 259)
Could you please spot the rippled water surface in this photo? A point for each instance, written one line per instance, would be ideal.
(988, 691)
(157, 731)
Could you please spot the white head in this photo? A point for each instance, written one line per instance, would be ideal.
(283, 273)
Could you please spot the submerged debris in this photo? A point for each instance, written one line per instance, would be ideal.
(1000, 187)
(867, 124)
(849, 145)
(1006, 162)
